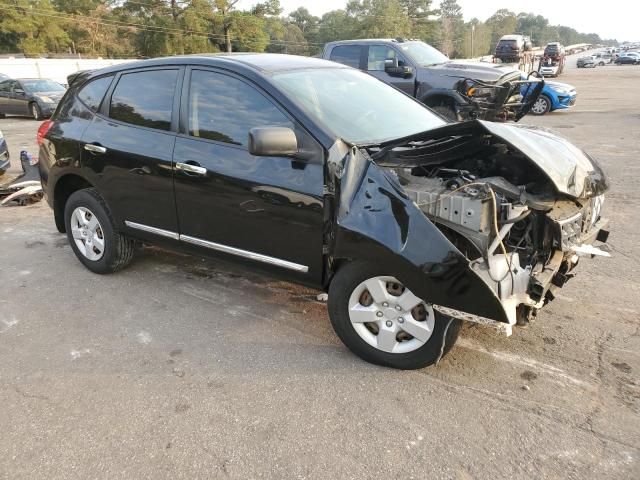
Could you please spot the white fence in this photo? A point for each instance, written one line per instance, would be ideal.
(56, 69)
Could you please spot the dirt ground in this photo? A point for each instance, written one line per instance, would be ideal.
(180, 367)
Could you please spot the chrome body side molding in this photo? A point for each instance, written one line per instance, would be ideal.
(245, 254)
(157, 231)
(258, 257)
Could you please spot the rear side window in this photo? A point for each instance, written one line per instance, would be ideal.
(145, 98)
(347, 55)
(224, 109)
(93, 92)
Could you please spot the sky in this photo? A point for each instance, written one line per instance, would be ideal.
(617, 19)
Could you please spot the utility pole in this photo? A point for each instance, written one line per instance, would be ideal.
(473, 31)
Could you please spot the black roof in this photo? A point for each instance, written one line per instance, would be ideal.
(256, 62)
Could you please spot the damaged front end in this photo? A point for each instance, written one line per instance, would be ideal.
(483, 220)
(508, 99)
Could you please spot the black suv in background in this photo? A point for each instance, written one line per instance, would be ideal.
(456, 90)
(554, 50)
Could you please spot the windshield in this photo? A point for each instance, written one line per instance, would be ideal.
(423, 54)
(35, 86)
(355, 106)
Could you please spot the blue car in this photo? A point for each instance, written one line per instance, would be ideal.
(554, 96)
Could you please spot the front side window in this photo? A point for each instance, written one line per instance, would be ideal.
(224, 109)
(6, 86)
(347, 55)
(379, 54)
(145, 98)
(93, 92)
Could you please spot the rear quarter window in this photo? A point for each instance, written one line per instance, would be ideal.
(347, 55)
(145, 98)
(93, 92)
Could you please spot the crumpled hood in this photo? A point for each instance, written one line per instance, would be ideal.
(488, 72)
(559, 85)
(570, 169)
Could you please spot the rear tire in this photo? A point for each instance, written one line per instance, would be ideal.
(405, 351)
(92, 235)
(36, 113)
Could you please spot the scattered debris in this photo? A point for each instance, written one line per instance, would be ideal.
(526, 388)
(75, 354)
(322, 297)
(143, 337)
(26, 188)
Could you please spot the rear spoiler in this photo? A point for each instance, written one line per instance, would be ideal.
(74, 76)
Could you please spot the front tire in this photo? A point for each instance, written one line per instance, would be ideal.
(542, 105)
(384, 323)
(92, 234)
(446, 111)
(36, 112)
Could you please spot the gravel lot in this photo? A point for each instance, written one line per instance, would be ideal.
(180, 367)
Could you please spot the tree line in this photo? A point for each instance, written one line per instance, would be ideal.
(150, 28)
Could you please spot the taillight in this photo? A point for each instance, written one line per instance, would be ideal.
(42, 131)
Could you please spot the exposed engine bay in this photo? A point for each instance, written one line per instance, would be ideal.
(520, 227)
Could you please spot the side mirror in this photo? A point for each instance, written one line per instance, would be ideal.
(18, 91)
(272, 142)
(390, 64)
(393, 69)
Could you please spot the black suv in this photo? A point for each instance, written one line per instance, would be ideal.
(325, 176)
(456, 90)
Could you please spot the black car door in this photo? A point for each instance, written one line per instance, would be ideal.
(8, 102)
(5, 93)
(376, 60)
(19, 99)
(127, 150)
(266, 209)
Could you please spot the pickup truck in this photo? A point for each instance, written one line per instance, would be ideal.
(456, 90)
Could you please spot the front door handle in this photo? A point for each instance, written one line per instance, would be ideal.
(190, 169)
(90, 147)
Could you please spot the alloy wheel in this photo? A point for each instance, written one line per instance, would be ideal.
(389, 317)
(540, 107)
(87, 233)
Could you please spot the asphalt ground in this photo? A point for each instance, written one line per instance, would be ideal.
(183, 367)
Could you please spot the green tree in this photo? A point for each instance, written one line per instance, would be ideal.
(476, 39)
(226, 19)
(423, 25)
(309, 26)
(452, 26)
(537, 27)
(34, 26)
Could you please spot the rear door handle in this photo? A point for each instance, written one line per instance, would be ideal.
(90, 147)
(190, 169)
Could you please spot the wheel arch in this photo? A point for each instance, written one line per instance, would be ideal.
(65, 186)
(440, 98)
(377, 223)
